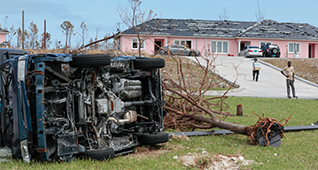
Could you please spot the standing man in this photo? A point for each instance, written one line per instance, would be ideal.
(290, 79)
(256, 68)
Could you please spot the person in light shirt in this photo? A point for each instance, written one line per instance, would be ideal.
(288, 72)
(256, 68)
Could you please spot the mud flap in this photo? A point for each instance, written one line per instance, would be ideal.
(99, 154)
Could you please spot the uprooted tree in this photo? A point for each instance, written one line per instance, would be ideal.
(189, 105)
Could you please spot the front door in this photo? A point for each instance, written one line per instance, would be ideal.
(244, 44)
(158, 45)
(311, 51)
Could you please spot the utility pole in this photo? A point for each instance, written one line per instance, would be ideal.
(5, 25)
(23, 30)
(5, 22)
(44, 37)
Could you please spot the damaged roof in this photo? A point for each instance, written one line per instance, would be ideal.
(228, 29)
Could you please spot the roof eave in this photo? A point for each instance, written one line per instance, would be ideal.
(4, 32)
(290, 39)
(178, 36)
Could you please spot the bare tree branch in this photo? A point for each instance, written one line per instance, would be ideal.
(260, 16)
(225, 15)
(187, 104)
(136, 18)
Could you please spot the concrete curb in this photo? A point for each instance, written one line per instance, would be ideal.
(239, 88)
(228, 81)
(242, 88)
(296, 77)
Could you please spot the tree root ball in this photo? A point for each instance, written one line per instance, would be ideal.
(267, 131)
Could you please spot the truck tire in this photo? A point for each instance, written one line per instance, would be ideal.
(274, 51)
(99, 154)
(149, 63)
(154, 138)
(90, 60)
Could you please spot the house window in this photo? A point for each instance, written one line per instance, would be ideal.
(294, 48)
(220, 47)
(186, 43)
(134, 43)
(262, 43)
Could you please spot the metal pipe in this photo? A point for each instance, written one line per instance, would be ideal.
(138, 103)
(150, 91)
(226, 132)
(129, 117)
(81, 108)
(92, 92)
(153, 97)
(113, 119)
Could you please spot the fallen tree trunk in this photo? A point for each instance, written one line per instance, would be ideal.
(241, 129)
(188, 106)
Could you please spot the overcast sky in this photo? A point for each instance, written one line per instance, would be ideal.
(100, 14)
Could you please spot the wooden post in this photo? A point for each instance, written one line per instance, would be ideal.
(23, 30)
(44, 36)
(239, 110)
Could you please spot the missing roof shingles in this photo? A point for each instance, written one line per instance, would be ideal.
(210, 28)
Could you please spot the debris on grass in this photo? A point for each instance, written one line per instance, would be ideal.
(180, 137)
(213, 162)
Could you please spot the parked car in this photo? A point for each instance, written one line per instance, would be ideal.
(179, 50)
(270, 50)
(251, 51)
(61, 106)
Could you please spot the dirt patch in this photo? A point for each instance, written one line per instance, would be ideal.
(147, 154)
(146, 151)
(306, 68)
(180, 137)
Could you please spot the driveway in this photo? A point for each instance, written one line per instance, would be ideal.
(271, 83)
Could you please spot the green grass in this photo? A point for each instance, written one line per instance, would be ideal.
(303, 112)
(297, 151)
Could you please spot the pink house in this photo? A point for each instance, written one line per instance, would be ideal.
(224, 37)
(3, 34)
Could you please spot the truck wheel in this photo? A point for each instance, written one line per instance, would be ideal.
(149, 63)
(154, 138)
(99, 154)
(89, 60)
(274, 51)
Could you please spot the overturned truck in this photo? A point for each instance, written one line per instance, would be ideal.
(61, 106)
